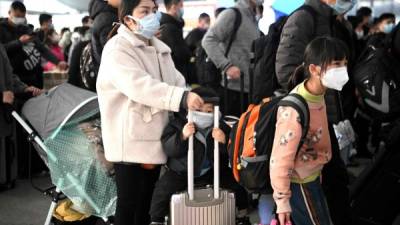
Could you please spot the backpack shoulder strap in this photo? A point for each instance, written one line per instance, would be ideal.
(236, 26)
(297, 102)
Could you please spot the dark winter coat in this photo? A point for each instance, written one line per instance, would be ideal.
(8, 82)
(172, 35)
(103, 16)
(193, 39)
(176, 148)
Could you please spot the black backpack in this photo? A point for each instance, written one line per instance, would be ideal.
(262, 72)
(251, 140)
(207, 73)
(89, 68)
(377, 79)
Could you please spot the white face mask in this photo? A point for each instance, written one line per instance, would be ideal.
(203, 120)
(360, 34)
(148, 25)
(335, 78)
(19, 20)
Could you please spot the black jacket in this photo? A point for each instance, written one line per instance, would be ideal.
(344, 31)
(172, 35)
(176, 149)
(103, 16)
(25, 58)
(377, 40)
(8, 82)
(194, 38)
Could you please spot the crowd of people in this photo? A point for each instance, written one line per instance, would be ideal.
(148, 76)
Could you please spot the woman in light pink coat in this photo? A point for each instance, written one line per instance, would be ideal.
(137, 86)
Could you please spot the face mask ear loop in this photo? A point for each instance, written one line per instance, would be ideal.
(135, 21)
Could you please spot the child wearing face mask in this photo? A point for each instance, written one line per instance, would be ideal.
(295, 171)
(175, 144)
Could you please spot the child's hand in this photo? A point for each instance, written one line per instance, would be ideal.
(219, 135)
(188, 130)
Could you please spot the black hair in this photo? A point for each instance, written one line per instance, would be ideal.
(18, 6)
(355, 20)
(204, 16)
(205, 92)
(386, 16)
(218, 11)
(321, 51)
(125, 9)
(85, 19)
(169, 3)
(65, 29)
(364, 11)
(43, 18)
(81, 30)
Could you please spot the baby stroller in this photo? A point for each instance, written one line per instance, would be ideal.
(64, 127)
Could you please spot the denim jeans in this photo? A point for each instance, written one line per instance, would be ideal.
(266, 207)
(309, 205)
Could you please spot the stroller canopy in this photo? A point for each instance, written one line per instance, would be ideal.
(68, 120)
(46, 112)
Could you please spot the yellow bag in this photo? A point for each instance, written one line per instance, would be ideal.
(64, 212)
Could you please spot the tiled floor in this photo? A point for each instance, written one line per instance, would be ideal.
(24, 205)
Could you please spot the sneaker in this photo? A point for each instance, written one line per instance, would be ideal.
(243, 221)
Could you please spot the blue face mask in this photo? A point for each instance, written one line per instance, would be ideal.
(388, 28)
(148, 25)
(343, 6)
(181, 12)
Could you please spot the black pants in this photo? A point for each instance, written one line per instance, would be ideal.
(171, 183)
(361, 128)
(335, 182)
(135, 187)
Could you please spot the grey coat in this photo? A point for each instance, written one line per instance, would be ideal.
(297, 33)
(218, 36)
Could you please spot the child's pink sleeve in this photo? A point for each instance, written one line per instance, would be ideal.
(287, 138)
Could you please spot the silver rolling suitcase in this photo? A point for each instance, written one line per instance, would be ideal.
(208, 206)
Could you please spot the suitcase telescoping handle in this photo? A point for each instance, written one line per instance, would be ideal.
(191, 158)
(226, 81)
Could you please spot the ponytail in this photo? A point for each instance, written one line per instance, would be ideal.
(297, 77)
(114, 31)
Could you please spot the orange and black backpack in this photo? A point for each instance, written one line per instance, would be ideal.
(252, 138)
